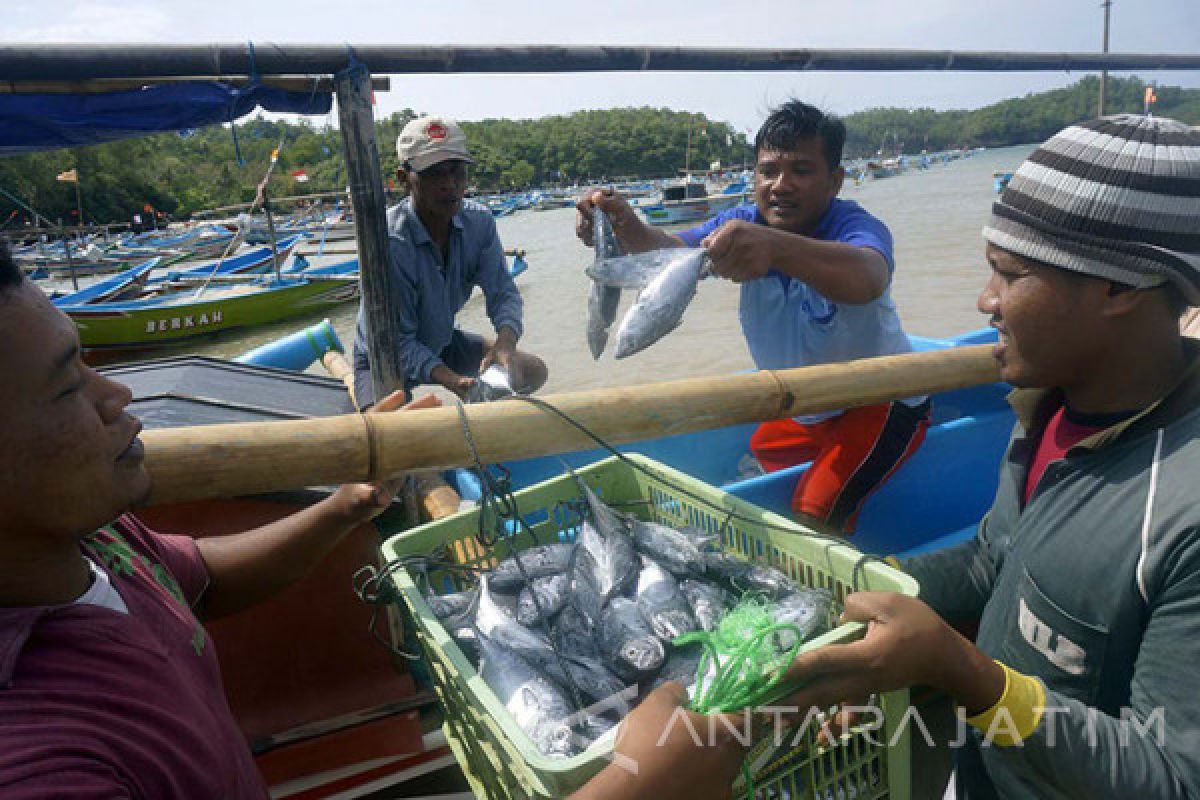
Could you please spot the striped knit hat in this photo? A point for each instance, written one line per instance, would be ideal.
(1117, 198)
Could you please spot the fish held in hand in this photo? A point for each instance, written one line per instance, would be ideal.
(660, 306)
(602, 311)
(602, 300)
(633, 271)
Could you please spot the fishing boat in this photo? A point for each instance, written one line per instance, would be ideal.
(690, 201)
(187, 307)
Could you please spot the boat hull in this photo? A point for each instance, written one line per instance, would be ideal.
(168, 325)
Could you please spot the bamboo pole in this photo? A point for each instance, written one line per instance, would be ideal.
(250, 458)
(48, 61)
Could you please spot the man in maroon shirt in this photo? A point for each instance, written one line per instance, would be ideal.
(109, 686)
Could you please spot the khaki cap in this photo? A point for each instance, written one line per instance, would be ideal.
(431, 140)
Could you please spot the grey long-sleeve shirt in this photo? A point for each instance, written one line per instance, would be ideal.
(428, 292)
(1094, 588)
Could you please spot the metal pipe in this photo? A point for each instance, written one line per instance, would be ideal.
(87, 61)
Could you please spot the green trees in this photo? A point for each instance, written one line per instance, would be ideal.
(183, 174)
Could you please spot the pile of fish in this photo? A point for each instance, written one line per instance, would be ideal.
(666, 280)
(570, 635)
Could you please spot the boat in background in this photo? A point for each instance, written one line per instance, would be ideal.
(691, 201)
(184, 307)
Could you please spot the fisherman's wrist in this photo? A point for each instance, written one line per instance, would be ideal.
(1018, 712)
(970, 676)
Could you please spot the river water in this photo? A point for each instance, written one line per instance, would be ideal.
(935, 216)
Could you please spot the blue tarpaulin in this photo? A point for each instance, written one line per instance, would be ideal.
(32, 122)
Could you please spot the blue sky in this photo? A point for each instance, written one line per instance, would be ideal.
(1045, 25)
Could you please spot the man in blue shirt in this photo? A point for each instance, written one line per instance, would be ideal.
(814, 273)
(441, 248)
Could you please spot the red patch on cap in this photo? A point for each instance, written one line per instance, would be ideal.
(435, 130)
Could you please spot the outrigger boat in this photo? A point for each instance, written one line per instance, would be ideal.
(187, 307)
(322, 705)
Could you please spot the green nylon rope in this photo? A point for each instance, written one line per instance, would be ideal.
(749, 667)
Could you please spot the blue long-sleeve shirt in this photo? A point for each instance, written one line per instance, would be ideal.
(427, 291)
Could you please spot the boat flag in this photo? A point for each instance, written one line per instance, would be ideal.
(274, 155)
(1150, 99)
(70, 176)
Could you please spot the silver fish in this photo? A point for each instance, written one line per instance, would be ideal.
(551, 592)
(539, 707)
(807, 609)
(668, 547)
(608, 521)
(537, 562)
(745, 576)
(660, 306)
(447, 605)
(633, 271)
(589, 675)
(602, 300)
(611, 557)
(703, 540)
(604, 238)
(585, 595)
(627, 645)
(708, 602)
(682, 665)
(662, 605)
(571, 632)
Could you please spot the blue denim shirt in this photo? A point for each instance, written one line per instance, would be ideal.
(427, 293)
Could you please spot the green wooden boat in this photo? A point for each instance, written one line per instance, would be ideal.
(202, 308)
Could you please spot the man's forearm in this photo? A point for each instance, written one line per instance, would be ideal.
(842, 272)
(247, 568)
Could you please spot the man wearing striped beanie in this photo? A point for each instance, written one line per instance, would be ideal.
(1084, 578)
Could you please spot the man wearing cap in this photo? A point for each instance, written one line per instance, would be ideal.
(1084, 578)
(441, 248)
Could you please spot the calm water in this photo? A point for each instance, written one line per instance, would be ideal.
(935, 216)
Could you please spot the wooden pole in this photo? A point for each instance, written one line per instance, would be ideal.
(250, 458)
(363, 173)
(49, 62)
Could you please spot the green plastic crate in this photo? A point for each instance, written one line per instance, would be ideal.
(500, 760)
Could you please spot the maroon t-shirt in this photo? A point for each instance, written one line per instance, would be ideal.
(95, 703)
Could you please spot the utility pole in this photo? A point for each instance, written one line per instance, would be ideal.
(1107, 6)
